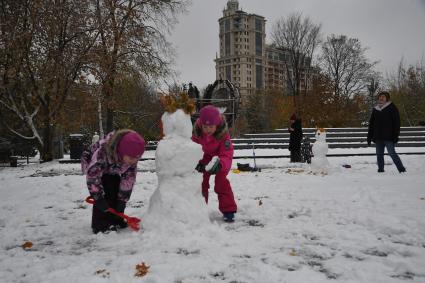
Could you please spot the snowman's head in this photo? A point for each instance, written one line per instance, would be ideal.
(320, 135)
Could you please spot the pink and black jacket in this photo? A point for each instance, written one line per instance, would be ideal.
(102, 159)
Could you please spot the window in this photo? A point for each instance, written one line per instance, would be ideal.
(258, 25)
(228, 72)
(227, 25)
(259, 76)
(258, 43)
(227, 44)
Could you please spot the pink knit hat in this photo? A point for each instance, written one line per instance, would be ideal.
(131, 144)
(210, 115)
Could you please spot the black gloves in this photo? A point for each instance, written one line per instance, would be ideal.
(120, 206)
(214, 167)
(369, 142)
(101, 204)
(200, 168)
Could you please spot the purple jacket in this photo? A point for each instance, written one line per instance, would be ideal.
(104, 160)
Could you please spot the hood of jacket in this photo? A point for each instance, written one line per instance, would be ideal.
(111, 143)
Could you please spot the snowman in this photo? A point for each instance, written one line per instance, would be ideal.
(319, 161)
(177, 203)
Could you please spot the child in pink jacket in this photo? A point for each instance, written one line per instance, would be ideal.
(211, 132)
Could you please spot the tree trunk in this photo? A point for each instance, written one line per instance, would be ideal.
(109, 119)
(99, 113)
(110, 104)
(46, 153)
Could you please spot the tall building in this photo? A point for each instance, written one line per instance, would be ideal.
(242, 49)
(245, 59)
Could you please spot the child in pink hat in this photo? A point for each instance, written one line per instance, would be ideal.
(111, 168)
(211, 132)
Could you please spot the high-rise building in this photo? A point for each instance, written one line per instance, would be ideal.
(242, 49)
(245, 59)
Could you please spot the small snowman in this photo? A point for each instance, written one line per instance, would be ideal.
(319, 161)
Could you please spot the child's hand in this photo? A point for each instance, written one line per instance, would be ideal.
(214, 166)
(200, 168)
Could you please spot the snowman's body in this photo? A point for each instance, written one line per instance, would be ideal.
(177, 201)
(319, 162)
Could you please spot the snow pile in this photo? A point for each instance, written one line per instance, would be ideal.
(177, 204)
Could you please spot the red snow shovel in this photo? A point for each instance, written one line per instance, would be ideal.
(132, 222)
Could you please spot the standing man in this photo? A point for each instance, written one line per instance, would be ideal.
(384, 129)
(295, 137)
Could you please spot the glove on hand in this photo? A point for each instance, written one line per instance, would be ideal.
(120, 206)
(214, 166)
(101, 204)
(200, 168)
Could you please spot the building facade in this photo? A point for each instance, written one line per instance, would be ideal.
(244, 57)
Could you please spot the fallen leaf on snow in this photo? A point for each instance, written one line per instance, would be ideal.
(27, 245)
(141, 269)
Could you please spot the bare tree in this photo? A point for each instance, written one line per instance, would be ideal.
(44, 45)
(344, 62)
(300, 37)
(132, 39)
(407, 89)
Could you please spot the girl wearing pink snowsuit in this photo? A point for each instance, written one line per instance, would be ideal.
(210, 131)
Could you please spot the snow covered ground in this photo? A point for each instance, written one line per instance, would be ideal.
(353, 225)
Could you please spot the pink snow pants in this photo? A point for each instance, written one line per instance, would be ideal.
(226, 200)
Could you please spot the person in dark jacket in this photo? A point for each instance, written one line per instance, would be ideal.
(384, 130)
(295, 138)
(111, 168)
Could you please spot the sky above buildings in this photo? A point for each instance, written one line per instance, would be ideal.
(392, 30)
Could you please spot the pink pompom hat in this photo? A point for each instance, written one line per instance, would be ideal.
(210, 115)
(131, 144)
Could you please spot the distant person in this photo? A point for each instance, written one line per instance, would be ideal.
(295, 137)
(384, 130)
(210, 131)
(95, 138)
(111, 168)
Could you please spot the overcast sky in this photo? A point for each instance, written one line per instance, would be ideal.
(391, 29)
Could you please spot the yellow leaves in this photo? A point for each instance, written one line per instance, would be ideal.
(141, 269)
(27, 245)
(182, 101)
(236, 171)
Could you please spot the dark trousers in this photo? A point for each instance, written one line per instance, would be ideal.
(380, 148)
(102, 221)
(296, 155)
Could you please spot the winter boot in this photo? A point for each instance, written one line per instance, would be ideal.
(229, 216)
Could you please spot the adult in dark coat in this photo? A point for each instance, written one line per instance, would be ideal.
(295, 137)
(384, 130)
